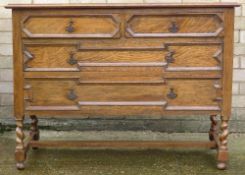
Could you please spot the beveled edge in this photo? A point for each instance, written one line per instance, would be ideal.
(121, 5)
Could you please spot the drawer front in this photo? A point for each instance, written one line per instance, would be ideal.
(176, 25)
(171, 56)
(173, 94)
(95, 25)
(73, 26)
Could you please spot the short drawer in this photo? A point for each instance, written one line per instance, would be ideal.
(171, 56)
(71, 26)
(171, 95)
(174, 25)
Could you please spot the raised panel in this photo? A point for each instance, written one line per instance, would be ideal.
(190, 95)
(176, 25)
(71, 26)
(189, 56)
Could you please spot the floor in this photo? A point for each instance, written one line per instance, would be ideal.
(121, 161)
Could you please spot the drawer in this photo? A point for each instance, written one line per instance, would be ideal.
(174, 25)
(146, 24)
(172, 56)
(171, 95)
(71, 26)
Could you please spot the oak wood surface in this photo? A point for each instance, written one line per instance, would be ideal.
(228, 61)
(124, 5)
(122, 60)
(57, 56)
(122, 144)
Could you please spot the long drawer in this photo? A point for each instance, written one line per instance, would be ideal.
(172, 56)
(171, 94)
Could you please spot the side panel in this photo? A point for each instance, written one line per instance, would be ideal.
(227, 63)
(18, 66)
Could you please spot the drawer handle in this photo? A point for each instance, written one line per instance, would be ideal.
(169, 57)
(173, 28)
(70, 27)
(71, 95)
(171, 94)
(72, 60)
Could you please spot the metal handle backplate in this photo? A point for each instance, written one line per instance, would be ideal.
(173, 28)
(72, 60)
(70, 28)
(171, 94)
(71, 95)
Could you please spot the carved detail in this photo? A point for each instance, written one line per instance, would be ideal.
(169, 57)
(28, 56)
(218, 56)
(213, 128)
(218, 87)
(223, 135)
(20, 150)
(20, 136)
(223, 149)
(34, 131)
(28, 93)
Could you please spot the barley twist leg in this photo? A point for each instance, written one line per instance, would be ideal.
(20, 153)
(34, 131)
(213, 128)
(223, 149)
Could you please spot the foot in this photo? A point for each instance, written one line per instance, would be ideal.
(222, 165)
(20, 166)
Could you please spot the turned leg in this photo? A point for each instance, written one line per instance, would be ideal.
(20, 153)
(213, 127)
(223, 149)
(34, 131)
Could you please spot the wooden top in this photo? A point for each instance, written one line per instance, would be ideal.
(120, 5)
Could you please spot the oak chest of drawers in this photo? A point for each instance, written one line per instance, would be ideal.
(112, 60)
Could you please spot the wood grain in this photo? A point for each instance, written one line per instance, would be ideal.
(122, 144)
(228, 64)
(123, 5)
(18, 67)
(84, 26)
(56, 56)
(122, 61)
(186, 92)
(187, 25)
